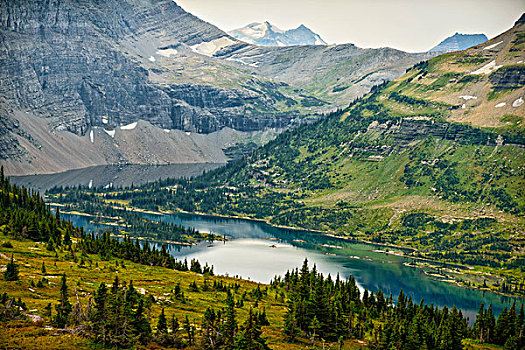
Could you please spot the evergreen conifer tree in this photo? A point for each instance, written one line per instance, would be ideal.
(230, 324)
(162, 325)
(11, 270)
(64, 307)
(98, 317)
(250, 337)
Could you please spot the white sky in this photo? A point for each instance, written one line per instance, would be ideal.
(410, 25)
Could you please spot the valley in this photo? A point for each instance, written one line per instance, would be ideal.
(165, 184)
(415, 164)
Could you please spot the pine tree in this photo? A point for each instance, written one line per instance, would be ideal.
(162, 325)
(230, 324)
(250, 338)
(67, 237)
(314, 326)
(480, 324)
(64, 308)
(11, 270)
(98, 317)
(141, 324)
(490, 324)
(290, 323)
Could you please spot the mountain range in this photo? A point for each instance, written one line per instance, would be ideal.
(89, 83)
(266, 34)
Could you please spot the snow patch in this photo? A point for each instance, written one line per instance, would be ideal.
(151, 59)
(110, 132)
(129, 126)
(167, 52)
(92, 136)
(517, 103)
(104, 120)
(487, 69)
(492, 46)
(254, 64)
(90, 183)
(188, 133)
(319, 41)
(166, 130)
(467, 97)
(520, 61)
(464, 106)
(209, 48)
(499, 105)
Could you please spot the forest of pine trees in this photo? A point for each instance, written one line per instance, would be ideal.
(320, 307)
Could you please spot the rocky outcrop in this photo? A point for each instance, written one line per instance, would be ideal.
(511, 77)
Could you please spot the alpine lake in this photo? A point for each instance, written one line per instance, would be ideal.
(257, 251)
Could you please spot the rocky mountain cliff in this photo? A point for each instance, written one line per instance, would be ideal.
(70, 66)
(266, 34)
(459, 42)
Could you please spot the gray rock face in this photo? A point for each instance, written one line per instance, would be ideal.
(81, 64)
(61, 60)
(512, 77)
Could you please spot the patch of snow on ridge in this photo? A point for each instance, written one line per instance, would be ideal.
(110, 132)
(104, 120)
(151, 58)
(487, 69)
(166, 130)
(92, 136)
(499, 105)
(492, 46)
(167, 52)
(467, 97)
(129, 126)
(517, 103)
(209, 48)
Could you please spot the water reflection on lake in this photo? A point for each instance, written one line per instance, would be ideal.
(258, 252)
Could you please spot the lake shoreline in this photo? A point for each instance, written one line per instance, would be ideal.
(331, 234)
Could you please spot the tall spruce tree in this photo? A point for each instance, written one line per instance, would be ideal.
(99, 314)
(64, 307)
(162, 325)
(250, 337)
(11, 270)
(230, 324)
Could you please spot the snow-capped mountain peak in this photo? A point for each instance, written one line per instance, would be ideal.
(266, 34)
